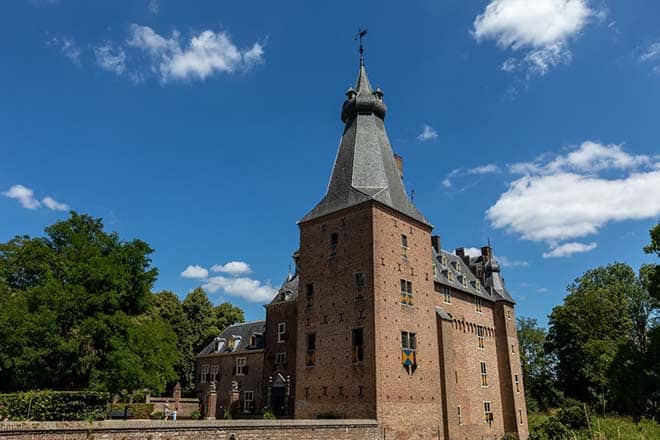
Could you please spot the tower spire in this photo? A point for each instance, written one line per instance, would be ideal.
(360, 35)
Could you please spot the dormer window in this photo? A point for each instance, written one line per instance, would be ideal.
(220, 344)
(464, 280)
(443, 261)
(477, 285)
(235, 343)
(454, 265)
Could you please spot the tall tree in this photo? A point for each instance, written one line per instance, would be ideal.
(588, 329)
(67, 302)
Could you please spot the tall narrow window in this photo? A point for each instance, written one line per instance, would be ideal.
(359, 283)
(513, 348)
(477, 304)
(446, 292)
(404, 247)
(488, 413)
(408, 351)
(484, 375)
(309, 294)
(508, 314)
(214, 373)
(460, 415)
(480, 337)
(248, 401)
(520, 416)
(517, 382)
(241, 366)
(334, 239)
(281, 332)
(280, 361)
(358, 345)
(204, 375)
(406, 293)
(310, 354)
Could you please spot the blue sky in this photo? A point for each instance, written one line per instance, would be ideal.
(208, 131)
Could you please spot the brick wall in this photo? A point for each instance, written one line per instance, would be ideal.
(195, 430)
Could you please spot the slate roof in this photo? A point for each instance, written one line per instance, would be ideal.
(494, 290)
(288, 291)
(244, 331)
(365, 168)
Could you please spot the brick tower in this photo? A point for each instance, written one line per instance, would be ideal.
(390, 326)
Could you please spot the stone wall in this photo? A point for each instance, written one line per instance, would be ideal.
(195, 429)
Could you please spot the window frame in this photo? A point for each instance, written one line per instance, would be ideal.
(446, 292)
(481, 337)
(516, 381)
(281, 331)
(310, 350)
(459, 413)
(483, 371)
(488, 412)
(407, 294)
(357, 349)
(280, 360)
(478, 305)
(241, 364)
(204, 372)
(248, 403)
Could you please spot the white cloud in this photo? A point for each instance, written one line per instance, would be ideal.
(568, 249)
(232, 268)
(509, 65)
(246, 288)
(543, 28)
(111, 59)
(506, 262)
(24, 195)
(205, 54)
(195, 271)
(652, 52)
(427, 134)
(542, 290)
(68, 47)
(574, 195)
(53, 204)
(490, 168)
(471, 251)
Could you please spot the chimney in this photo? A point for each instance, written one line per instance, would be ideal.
(460, 252)
(486, 253)
(435, 242)
(399, 164)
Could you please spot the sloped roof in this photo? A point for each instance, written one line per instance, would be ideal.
(288, 291)
(365, 168)
(244, 331)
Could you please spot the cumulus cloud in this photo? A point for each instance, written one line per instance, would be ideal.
(541, 28)
(232, 268)
(195, 272)
(68, 47)
(24, 195)
(568, 249)
(427, 134)
(26, 198)
(203, 55)
(53, 204)
(110, 58)
(507, 262)
(490, 168)
(575, 194)
(246, 288)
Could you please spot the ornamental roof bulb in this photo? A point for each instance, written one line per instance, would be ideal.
(350, 93)
(378, 93)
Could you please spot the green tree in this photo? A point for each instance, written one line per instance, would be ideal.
(653, 271)
(541, 391)
(72, 306)
(587, 330)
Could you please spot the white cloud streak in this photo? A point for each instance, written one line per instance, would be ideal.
(110, 58)
(568, 249)
(54, 205)
(542, 28)
(195, 272)
(246, 288)
(232, 268)
(26, 198)
(490, 168)
(427, 134)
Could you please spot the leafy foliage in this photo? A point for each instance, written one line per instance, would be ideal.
(134, 410)
(53, 405)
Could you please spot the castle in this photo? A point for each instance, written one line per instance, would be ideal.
(378, 321)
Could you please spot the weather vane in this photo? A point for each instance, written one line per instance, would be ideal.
(361, 33)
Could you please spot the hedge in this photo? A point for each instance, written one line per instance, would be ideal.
(135, 410)
(53, 405)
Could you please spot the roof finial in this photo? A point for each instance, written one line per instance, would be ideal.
(361, 33)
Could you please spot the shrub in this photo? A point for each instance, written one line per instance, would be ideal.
(157, 415)
(228, 415)
(574, 417)
(195, 415)
(135, 410)
(509, 436)
(54, 405)
(551, 429)
(268, 415)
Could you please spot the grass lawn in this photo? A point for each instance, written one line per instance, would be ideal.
(608, 428)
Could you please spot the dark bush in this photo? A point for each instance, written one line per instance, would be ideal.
(133, 410)
(551, 429)
(574, 417)
(509, 436)
(54, 405)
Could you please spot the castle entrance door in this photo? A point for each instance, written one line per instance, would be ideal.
(278, 396)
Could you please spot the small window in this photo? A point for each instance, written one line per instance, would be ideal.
(358, 345)
(516, 380)
(280, 361)
(513, 348)
(204, 376)
(446, 292)
(309, 294)
(310, 354)
(488, 413)
(508, 314)
(464, 280)
(480, 337)
(520, 416)
(248, 401)
(214, 373)
(408, 351)
(281, 332)
(241, 366)
(459, 412)
(484, 375)
(450, 275)
(334, 239)
(477, 285)
(404, 247)
(406, 293)
(477, 304)
(443, 260)
(359, 282)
